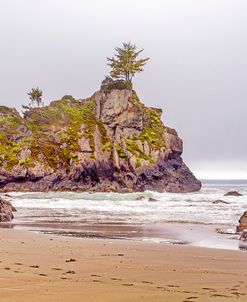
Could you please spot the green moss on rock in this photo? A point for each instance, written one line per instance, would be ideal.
(109, 84)
(64, 119)
(52, 133)
(153, 131)
(121, 153)
(10, 137)
(132, 147)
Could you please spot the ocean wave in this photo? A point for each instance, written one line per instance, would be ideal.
(65, 207)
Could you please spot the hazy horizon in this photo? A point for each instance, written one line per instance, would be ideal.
(196, 72)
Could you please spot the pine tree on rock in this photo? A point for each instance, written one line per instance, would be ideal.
(125, 64)
(35, 96)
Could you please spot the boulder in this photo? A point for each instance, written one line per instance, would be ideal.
(243, 241)
(243, 236)
(233, 193)
(242, 223)
(219, 201)
(14, 209)
(5, 211)
(141, 197)
(150, 199)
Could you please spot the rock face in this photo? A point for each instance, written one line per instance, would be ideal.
(109, 142)
(242, 223)
(5, 211)
(233, 193)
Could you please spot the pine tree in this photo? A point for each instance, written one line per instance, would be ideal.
(35, 96)
(125, 63)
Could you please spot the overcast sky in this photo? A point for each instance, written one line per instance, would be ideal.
(197, 72)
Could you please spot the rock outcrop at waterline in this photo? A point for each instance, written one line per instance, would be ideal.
(242, 223)
(109, 142)
(5, 210)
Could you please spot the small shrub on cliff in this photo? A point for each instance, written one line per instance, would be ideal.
(68, 97)
(108, 84)
(35, 97)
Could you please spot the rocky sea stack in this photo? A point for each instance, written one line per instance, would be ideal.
(108, 142)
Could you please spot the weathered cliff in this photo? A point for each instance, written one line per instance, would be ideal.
(109, 142)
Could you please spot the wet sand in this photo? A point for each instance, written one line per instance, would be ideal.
(36, 267)
(200, 235)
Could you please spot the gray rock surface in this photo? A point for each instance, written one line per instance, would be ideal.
(233, 193)
(242, 223)
(109, 142)
(5, 210)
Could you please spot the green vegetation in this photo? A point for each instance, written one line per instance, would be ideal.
(35, 97)
(51, 134)
(54, 135)
(136, 101)
(109, 84)
(8, 155)
(65, 118)
(103, 133)
(154, 129)
(125, 63)
(138, 163)
(132, 147)
(9, 149)
(108, 145)
(78, 116)
(68, 97)
(4, 110)
(153, 132)
(25, 161)
(120, 152)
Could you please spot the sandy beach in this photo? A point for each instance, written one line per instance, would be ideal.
(36, 267)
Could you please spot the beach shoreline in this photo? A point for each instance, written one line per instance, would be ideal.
(204, 219)
(37, 267)
(174, 233)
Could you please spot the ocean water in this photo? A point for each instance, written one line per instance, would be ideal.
(114, 215)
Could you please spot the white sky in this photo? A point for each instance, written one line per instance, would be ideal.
(197, 70)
